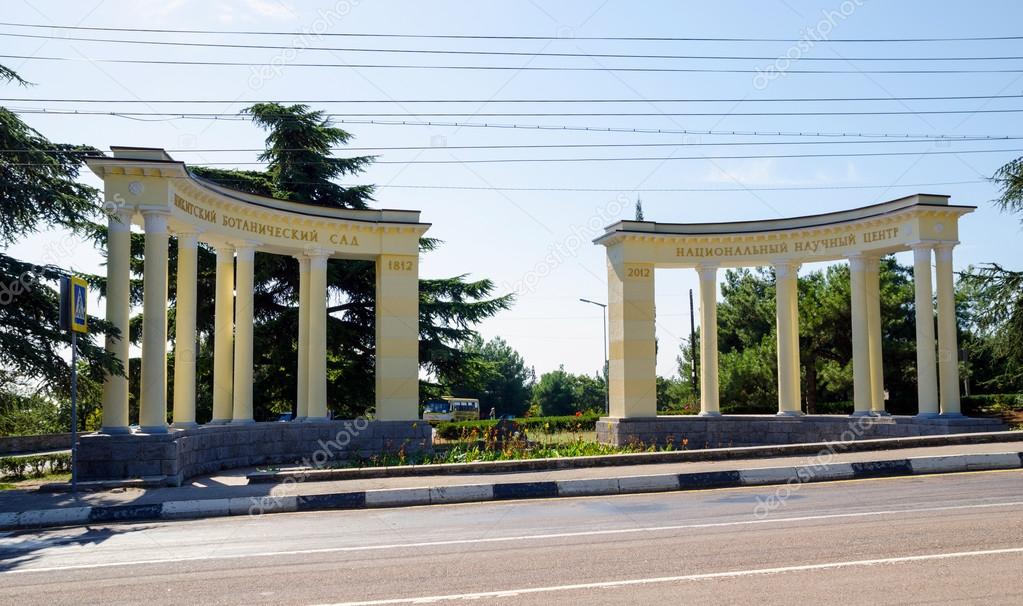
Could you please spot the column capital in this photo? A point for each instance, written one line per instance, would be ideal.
(155, 220)
(119, 219)
(317, 258)
(707, 271)
(188, 238)
(785, 268)
(246, 251)
(921, 245)
(943, 250)
(857, 262)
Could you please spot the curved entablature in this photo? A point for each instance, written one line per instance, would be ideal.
(877, 229)
(141, 180)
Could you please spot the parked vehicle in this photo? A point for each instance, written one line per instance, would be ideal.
(452, 409)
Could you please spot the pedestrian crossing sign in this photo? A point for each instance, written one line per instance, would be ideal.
(78, 301)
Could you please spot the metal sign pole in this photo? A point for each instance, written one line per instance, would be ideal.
(74, 411)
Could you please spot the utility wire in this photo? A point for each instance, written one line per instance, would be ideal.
(535, 146)
(669, 189)
(616, 159)
(517, 68)
(497, 101)
(543, 114)
(567, 128)
(503, 37)
(496, 53)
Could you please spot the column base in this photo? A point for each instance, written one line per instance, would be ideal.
(951, 415)
(219, 422)
(154, 429)
(241, 421)
(862, 413)
(926, 415)
(184, 425)
(710, 414)
(881, 413)
(114, 431)
(789, 413)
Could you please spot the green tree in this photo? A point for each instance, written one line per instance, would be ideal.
(38, 190)
(301, 167)
(554, 393)
(496, 374)
(588, 393)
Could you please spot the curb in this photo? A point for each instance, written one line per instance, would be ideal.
(636, 458)
(474, 493)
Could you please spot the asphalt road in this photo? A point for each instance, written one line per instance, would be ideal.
(918, 540)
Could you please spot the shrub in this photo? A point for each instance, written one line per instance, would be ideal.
(34, 466)
(451, 430)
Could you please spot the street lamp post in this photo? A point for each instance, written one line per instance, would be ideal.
(607, 379)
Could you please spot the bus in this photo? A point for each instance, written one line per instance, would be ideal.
(452, 409)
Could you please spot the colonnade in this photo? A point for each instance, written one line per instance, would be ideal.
(397, 320)
(865, 307)
(925, 224)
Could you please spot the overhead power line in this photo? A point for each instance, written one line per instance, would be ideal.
(671, 189)
(538, 68)
(497, 101)
(541, 114)
(545, 146)
(594, 55)
(570, 128)
(624, 159)
(503, 37)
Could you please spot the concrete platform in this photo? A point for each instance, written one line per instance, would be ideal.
(726, 431)
(173, 457)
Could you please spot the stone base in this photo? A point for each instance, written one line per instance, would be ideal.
(180, 454)
(694, 432)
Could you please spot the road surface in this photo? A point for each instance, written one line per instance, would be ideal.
(917, 540)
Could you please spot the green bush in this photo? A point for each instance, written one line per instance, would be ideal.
(35, 466)
(992, 403)
(455, 430)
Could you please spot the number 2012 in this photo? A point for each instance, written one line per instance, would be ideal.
(638, 272)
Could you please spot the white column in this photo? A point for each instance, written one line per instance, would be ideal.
(223, 337)
(242, 409)
(709, 396)
(948, 346)
(115, 387)
(926, 369)
(873, 301)
(860, 347)
(787, 318)
(184, 331)
(153, 406)
(302, 395)
(317, 390)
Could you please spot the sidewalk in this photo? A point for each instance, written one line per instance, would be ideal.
(228, 493)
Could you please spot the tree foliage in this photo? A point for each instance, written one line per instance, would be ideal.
(302, 168)
(38, 190)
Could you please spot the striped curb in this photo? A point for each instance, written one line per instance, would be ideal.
(475, 493)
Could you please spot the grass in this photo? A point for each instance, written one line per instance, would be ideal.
(35, 481)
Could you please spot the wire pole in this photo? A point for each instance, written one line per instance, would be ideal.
(74, 411)
(692, 340)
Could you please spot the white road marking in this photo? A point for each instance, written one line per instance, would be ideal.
(507, 593)
(528, 537)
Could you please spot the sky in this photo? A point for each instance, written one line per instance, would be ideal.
(537, 244)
